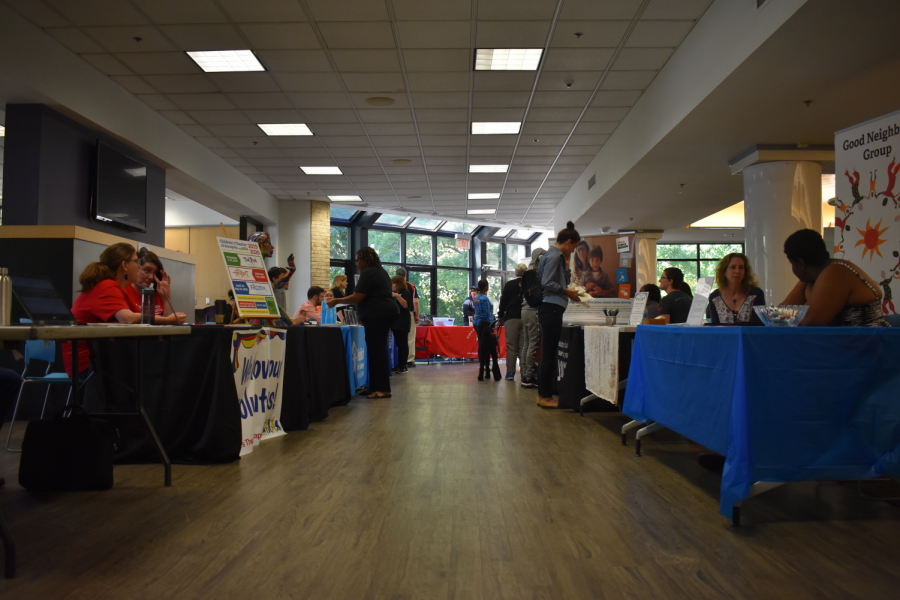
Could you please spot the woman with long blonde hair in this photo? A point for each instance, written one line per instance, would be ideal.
(738, 292)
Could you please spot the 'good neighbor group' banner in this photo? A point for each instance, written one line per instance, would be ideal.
(258, 360)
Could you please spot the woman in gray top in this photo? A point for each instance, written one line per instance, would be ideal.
(555, 277)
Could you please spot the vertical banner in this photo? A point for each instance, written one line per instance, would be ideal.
(258, 359)
(249, 280)
(867, 206)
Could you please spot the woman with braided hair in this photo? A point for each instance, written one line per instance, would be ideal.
(377, 310)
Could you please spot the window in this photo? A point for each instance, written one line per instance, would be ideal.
(394, 220)
(452, 291)
(695, 260)
(495, 286)
(514, 255)
(342, 214)
(458, 227)
(522, 234)
(418, 249)
(494, 255)
(422, 281)
(420, 223)
(449, 256)
(502, 232)
(335, 271)
(386, 244)
(340, 242)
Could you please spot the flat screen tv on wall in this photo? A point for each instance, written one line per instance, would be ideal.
(120, 189)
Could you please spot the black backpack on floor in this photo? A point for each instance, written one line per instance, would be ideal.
(531, 288)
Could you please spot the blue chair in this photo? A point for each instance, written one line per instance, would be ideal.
(894, 320)
(45, 351)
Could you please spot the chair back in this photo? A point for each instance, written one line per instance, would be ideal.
(894, 320)
(39, 349)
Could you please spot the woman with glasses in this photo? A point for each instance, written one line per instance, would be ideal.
(676, 303)
(149, 274)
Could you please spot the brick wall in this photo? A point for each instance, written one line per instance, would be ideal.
(320, 244)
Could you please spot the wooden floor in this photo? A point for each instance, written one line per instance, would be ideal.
(452, 489)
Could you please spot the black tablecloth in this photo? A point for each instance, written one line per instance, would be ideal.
(189, 396)
(316, 376)
(570, 361)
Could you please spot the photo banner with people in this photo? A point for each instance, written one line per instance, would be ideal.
(253, 293)
(258, 359)
(867, 207)
(595, 262)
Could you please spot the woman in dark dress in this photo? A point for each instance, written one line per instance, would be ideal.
(377, 310)
(737, 293)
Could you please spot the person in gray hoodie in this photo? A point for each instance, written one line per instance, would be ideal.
(555, 278)
(530, 336)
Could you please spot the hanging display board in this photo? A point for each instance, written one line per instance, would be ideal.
(867, 203)
(249, 281)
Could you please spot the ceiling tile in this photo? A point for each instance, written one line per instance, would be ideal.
(270, 100)
(628, 80)
(158, 101)
(532, 128)
(352, 152)
(454, 81)
(400, 151)
(308, 82)
(588, 140)
(159, 63)
(577, 59)
(498, 114)
(446, 140)
(309, 153)
(594, 34)
(503, 81)
(642, 59)
(443, 115)
(385, 115)
(676, 9)
(498, 141)
(595, 127)
(294, 142)
(512, 34)
(330, 116)
(374, 82)
(538, 150)
(178, 117)
(400, 100)
(197, 131)
(344, 141)
(548, 115)
(347, 10)
(500, 99)
(435, 34)
(87, 13)
(181, 84)
(615, 98)
(485, 155)
(133, 84)
(122, 39)
(227, 131)
(579, 80)
(219, 117)
(659, 34)
(574, 160)
(545, 139)
(438, 60)
(280, 36)
(348, 34)
(270, 11)
(431, 10)
(294, 60)
(383, 141)
(440, 100)
(211, 142)
(363, 162)
(330, 100)
(245, 82)
(107, 64)
(274, 116)
(446, 160)
(366, 60)
(74, 39)
(426, 129)
(602, 9)
(179, 11)
(390, 129)
(38, 13)
(581, 150)
(605, 114)
(205, 37)
(215, 101)
(520, 9)
(567, 98)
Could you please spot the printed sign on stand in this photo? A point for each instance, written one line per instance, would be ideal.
(257, 360)
(249, 280)
(637, 311)
(700, 301)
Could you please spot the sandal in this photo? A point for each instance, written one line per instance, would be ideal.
(379, 395)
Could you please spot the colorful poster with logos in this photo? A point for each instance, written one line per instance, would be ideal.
(867, 203)
(253, 293)
(257, 360)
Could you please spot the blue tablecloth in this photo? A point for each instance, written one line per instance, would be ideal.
(782, 404)
(357, 358)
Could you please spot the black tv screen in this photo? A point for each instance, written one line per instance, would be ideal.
(120, 192)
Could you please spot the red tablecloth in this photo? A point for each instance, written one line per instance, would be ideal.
(453, 342)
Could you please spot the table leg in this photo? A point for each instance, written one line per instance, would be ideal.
(167, 464)
(760, 487)
(641, 433)
(9, 548)
(628, 427)
(584, 401)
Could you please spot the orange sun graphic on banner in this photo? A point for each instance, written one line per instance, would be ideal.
(871, 237)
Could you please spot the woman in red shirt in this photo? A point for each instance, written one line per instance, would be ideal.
(151, 272)
(102, 299)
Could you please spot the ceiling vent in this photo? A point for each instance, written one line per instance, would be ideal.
(592, 181)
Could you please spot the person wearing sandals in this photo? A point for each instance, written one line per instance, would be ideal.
(555, 277)
(377, 310)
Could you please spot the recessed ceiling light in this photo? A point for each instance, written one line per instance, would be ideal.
(508, 59)
(401, 161)
(345, 198)
(484, 196)
(285, 128)
(380, 101)
(322, 170)
(488, 168)
(2, 131)
(226, 61)
(481, 211)
(496, 128)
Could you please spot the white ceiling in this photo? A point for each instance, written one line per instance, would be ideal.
(325, 58)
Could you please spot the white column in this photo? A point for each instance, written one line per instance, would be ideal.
(294, 236)
(779, 198)
(645, 259)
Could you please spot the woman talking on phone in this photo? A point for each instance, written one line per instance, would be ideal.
(150, 272)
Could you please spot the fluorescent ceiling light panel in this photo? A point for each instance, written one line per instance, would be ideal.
(345, 198)
(322, 170)
(285, 128)
(226, 61)
(496, 128)
(484, 196)
(508, 59)
(488, 168)
(481, 211)
(2, 131)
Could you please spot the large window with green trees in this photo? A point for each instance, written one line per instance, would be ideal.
(386, 244)
(340, 242)
(418, 249)
(695, 260)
